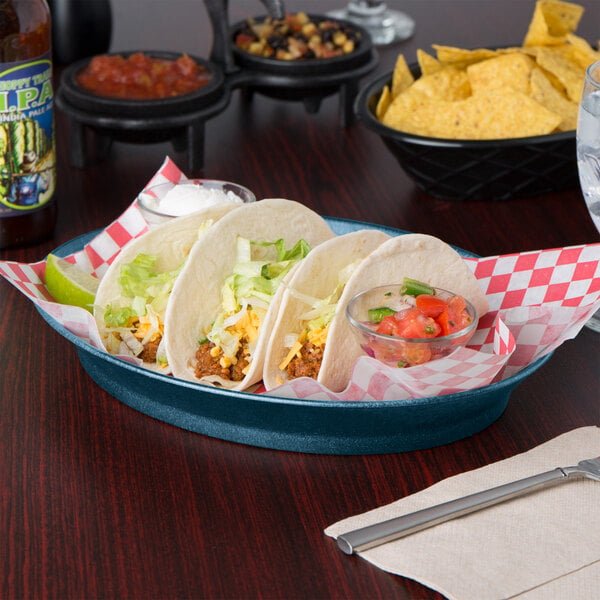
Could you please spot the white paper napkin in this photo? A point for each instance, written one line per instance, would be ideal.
(544, 545)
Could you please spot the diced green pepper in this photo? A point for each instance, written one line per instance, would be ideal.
(413, 287)
(376, 315)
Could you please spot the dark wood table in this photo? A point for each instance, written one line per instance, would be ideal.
(100, 501)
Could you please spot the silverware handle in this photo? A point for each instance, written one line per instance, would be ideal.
(392, 529)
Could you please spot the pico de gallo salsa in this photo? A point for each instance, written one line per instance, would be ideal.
(422, 313)
(142, 77)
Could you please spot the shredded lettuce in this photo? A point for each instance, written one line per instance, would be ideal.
(246, 294)
(316, 320)
(147, 289)
(118, 317)
(256, 279)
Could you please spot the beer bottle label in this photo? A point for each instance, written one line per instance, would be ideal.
(27, 150)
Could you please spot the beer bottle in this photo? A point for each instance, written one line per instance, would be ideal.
(27, 144)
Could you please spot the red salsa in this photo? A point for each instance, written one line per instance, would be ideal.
(142, 77)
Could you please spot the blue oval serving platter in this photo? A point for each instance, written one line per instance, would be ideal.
(310, 426)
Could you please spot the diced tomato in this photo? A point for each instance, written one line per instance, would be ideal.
(401, 354)
(244, 40)
(444, 322)
(186, 66)
(417, 354)
(457, 314)
(409, 323)
(431, 317)
(432, 306)
(388, 326)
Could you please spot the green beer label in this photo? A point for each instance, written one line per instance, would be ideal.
(27, 151)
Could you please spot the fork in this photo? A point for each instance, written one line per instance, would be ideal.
(398, 527)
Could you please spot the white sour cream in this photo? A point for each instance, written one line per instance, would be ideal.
(186, 198)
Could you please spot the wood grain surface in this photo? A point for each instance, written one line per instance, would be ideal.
(100, 501)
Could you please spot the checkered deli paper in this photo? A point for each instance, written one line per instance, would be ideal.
(537, 300)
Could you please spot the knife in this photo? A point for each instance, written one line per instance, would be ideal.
(398, 527)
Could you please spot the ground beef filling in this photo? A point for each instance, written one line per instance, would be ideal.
(149, 352)
(210, 361)
(149, 349)
(308, 363)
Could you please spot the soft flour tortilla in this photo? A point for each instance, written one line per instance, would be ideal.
(317, 277)
(196, 298)
(417, 256)
(170, 242)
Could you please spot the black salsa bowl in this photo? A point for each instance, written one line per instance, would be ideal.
(86, 101)
(306, 68)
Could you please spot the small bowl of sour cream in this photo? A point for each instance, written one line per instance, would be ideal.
(165, 201)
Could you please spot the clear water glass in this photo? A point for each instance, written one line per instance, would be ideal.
(588, 153)
(385, 26)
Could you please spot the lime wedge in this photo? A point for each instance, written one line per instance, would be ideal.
(69, 284)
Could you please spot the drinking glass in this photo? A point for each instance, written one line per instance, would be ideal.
(385, 26)
(588, 152)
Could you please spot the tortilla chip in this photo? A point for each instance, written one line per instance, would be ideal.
(512, 49)
(494, 114)
(498, 114)
(505, 71)
(547, 95)
(582, 50)
(384, 102)
(552, 20)
(460, 58)
(561, 17)
(533, 51)
(427, 63)
(555, 81)
(404, 106)
(448, 83)
(560, 62)
(402, 78)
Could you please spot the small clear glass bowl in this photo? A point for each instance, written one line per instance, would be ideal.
(396, 351)
(158, 203)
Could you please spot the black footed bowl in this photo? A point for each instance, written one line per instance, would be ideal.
(478, 169)
(316, 67)
(88, 102)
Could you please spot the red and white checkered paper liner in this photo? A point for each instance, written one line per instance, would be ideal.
(537, 300)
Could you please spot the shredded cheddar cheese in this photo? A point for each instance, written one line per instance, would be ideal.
(318, 337)
(145, 325)
(295, 350)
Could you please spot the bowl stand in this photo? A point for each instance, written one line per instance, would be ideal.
(92, 133)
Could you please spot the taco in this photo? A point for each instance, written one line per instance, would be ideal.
(298, 346)
(132, 297)
(416, 256)
(224, 304)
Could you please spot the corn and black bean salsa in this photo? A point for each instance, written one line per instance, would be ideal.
(296, 37)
